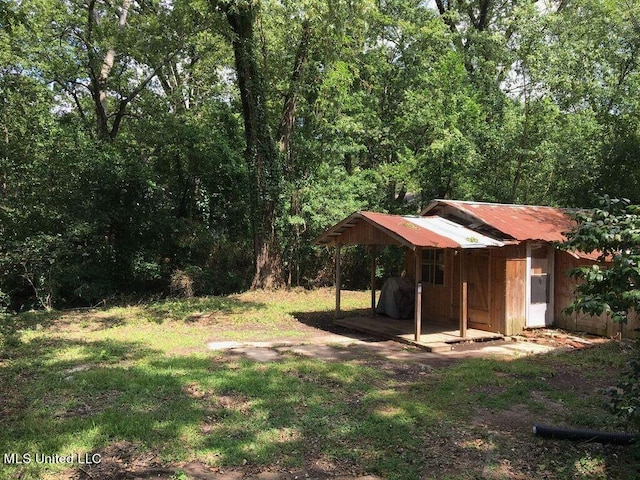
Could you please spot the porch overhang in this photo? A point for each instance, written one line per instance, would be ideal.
(371, 228)
(414, 232)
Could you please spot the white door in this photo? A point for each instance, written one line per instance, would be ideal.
(539, 285)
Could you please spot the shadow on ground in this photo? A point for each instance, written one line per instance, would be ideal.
(151, 415)
(324, 321)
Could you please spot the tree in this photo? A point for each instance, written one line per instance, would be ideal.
(136, 110)
(586, 61)
(88, 212)
(262, 158)
(102, 56)
(271, 76)
(613, 230)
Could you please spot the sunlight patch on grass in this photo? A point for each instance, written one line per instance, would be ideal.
(388, 411)
(77, 353)
(142, 374)
(182, 326)
(282, 435)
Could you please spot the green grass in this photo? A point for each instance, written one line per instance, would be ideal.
(80, 381)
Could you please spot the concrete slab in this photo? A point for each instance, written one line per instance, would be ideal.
(332, 348)
(434, 338)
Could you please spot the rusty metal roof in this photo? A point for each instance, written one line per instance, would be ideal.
(413, 231)
(519, 222)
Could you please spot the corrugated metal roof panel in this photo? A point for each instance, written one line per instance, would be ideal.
(465, 237)
(423, 232)
(593, 256)
(410, 232)
(521, 222)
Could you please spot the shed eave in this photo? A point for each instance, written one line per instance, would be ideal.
(409, 231)
(331, 237)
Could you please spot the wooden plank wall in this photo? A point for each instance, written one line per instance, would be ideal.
(440, 304)
(454, 292)
(409, 263)
(564, 287)
(515, 302)
(436, 299)
(366, 234)
(498, 289)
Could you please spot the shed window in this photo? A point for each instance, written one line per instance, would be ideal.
(433, 267)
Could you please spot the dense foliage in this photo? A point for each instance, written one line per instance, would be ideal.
(611, 287)
(625, 398)
(201, 146)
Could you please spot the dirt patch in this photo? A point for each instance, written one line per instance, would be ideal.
(99, 401)
(516, 420)
(560, 338)
(571, 378)
(123, 460)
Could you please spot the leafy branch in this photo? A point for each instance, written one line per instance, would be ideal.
(611, 287)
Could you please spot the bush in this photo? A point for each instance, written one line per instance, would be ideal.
(4, 302)
(229, 268)
(613, 230)
(625, 399)
(186, 283)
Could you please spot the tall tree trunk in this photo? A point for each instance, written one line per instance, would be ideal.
(284, 133)
(100, 75)
(109, 58)
(100, 70)
(261, 155)
(287, 122)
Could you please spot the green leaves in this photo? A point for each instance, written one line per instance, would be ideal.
(613, 231)
(613, 286)
(625, 398)
(389, 105)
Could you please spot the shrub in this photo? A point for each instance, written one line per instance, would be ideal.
(4, 302)
(625, 400)
(186, 282)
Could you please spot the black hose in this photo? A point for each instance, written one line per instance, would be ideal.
(584, 435)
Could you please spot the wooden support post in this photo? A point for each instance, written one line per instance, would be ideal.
(418, 296)
(464, 300)
(373, 280)
(338, 279)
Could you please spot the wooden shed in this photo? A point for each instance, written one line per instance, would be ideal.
(484, 266)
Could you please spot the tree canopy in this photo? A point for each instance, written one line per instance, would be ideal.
(144, 144)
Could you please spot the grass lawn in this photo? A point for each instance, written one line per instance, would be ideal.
(138, 386)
